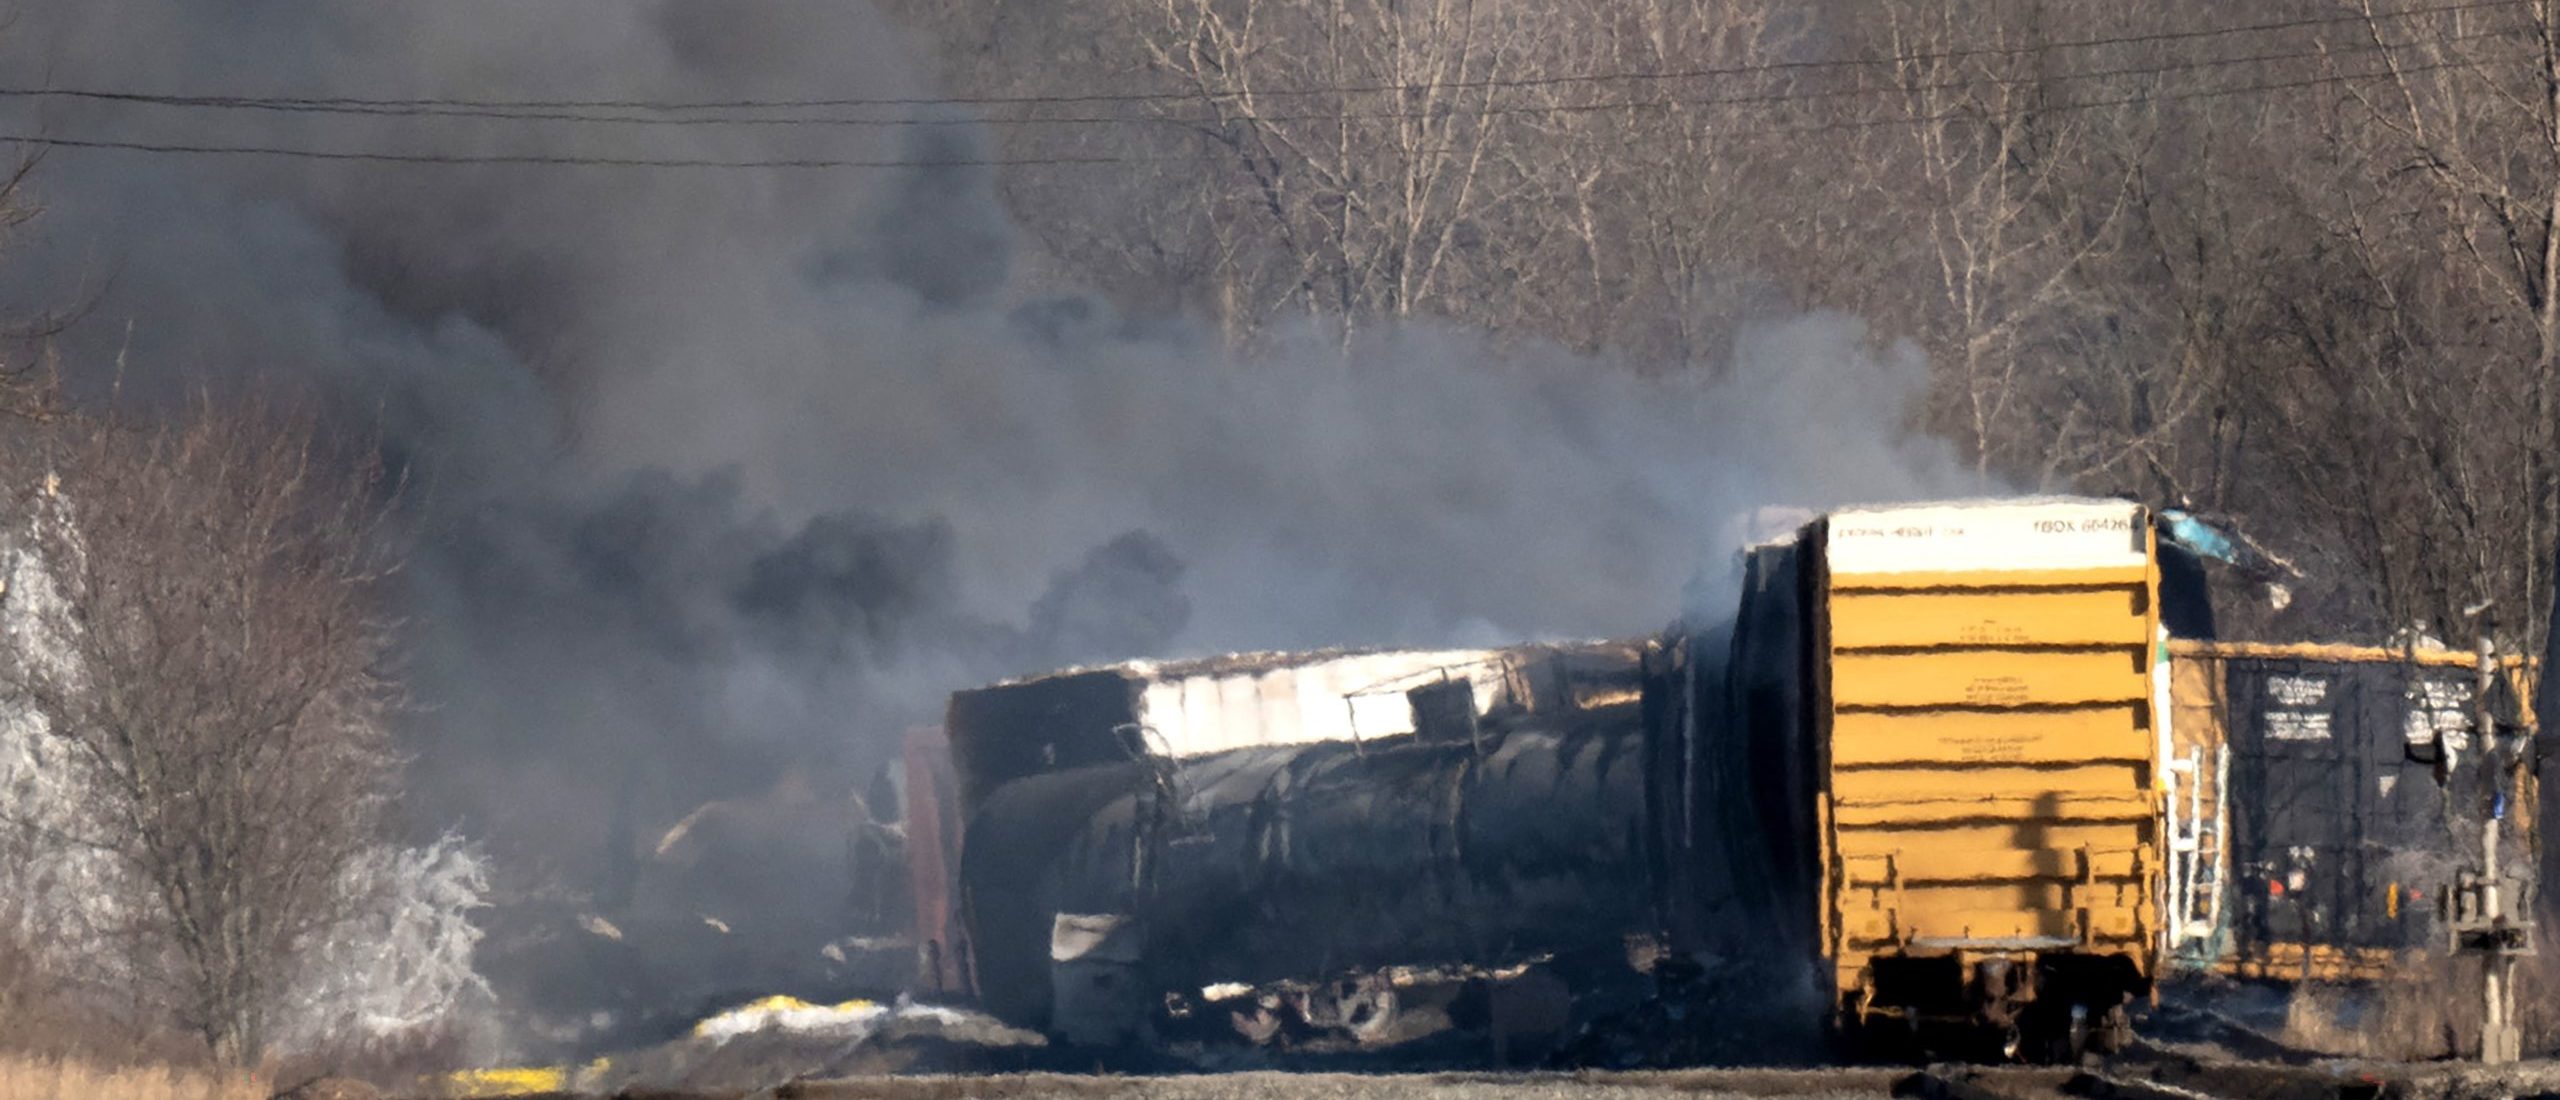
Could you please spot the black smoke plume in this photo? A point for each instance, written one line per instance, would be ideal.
(719, 479)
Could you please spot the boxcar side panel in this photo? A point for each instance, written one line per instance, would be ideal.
(1989, 789)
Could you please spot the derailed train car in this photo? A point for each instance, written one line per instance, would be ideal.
(1916, 788)
(2363, 776)
(1478, 809)
(1955, 704)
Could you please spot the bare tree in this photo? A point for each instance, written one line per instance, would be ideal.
(2298, 268)
(201, 637)
(2460, 112)
(1371, 190)
(28, 389)
(1673, 211)
(2010, 195)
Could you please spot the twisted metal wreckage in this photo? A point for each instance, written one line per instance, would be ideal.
(1969, 778)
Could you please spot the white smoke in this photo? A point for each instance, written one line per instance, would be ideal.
(65, 898)
(404, 963)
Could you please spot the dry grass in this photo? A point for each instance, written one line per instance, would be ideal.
(2426, 1006)
(56, 1079)
(1680, 1085)
(2538, 999)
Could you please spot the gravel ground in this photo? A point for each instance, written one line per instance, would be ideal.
(2168, 1079)
(1345, 1086)
(2188, 1052)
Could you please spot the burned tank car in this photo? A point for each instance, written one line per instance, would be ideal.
(1904, 788)
(1494, 815)
(1257, 866)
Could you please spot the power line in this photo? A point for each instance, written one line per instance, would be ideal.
(370, 105)
(560, 159)
(1837, 93)
(563, 159)
(2122, 101)
(546, 115)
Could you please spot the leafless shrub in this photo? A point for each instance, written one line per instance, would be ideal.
(205, 649)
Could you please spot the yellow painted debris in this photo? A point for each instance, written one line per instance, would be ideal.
(505, 1081)
(781, 1011)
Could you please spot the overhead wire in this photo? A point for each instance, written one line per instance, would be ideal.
(822, 162)
(367, 104)
(2124, 101)
(1758, 98)
(1770, 98)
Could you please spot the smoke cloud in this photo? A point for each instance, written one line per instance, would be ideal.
(722, 475)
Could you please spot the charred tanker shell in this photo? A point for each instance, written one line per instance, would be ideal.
(1315, 861)
(1009, 881)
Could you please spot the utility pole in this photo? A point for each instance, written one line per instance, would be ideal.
(2483, 921)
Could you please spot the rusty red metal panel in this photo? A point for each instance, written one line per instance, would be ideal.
(933, 843)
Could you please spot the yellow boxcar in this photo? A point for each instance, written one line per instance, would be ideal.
(1988, 809)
